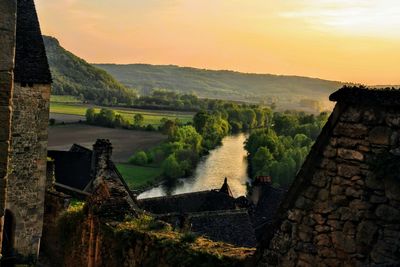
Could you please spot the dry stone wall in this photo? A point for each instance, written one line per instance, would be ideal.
(346, 210)
(7, 51)
(27, 179)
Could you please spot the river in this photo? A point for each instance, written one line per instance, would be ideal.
(227, 160)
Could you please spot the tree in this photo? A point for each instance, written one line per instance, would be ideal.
(262, 159)
(138, 119)
(90, 115)
(171, 168)
(139, 158)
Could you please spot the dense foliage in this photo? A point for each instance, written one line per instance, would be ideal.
(187, 143)
(279, 151)
(74, 76)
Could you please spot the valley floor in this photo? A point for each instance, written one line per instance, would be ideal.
(125, 142)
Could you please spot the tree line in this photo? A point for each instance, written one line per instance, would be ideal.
(179, 155)
(280, 149)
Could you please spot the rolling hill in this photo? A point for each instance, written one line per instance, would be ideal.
(222, 84)
(74, 76)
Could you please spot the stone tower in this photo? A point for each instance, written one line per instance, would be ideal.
(7, 54)
(24, 205)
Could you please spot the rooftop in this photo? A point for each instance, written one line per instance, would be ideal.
(368, 96)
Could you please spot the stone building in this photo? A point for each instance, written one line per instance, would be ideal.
(343, 208)
(7, 55)
(25, 59)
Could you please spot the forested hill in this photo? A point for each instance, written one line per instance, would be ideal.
(221, 84)
(74, 76)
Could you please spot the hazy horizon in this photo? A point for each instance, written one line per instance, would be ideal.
(347, 41)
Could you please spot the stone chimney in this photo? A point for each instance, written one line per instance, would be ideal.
(257, 188)
(101, 157)
(7, 55)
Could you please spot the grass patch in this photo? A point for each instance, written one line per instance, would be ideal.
(65, 99)
(150, 117)
(186, 244)
(138, 176)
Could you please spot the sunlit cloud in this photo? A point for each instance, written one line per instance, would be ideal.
(356, 17)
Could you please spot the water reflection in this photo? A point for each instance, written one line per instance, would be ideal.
(227, 160)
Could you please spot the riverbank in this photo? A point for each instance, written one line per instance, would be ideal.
(227, 160)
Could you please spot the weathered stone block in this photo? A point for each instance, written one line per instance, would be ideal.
(388, 213)
(348, 171)
(374, 183)
(351, 130)
(359, 205)
(352, 114)
(319, 179)
(322, 240)
(392, 120)
(349, 154)
(296, 215)
(351, 192)
(330, 152)
(392, 188)
(323, 195)
(373, 116)
(343, 242)
(366, 231)
(380, 136)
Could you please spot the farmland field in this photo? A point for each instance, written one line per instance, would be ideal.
(125, 142)
(150, 116)
(138, 176)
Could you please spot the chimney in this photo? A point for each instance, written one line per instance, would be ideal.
(101, 157)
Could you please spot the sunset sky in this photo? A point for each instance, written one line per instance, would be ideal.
(353, 41)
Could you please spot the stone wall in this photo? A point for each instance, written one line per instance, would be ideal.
(93, 242)
(27, 180)
(7, 51)
(344, 207)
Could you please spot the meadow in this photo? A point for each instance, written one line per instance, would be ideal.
(138, 177)
(150, 116)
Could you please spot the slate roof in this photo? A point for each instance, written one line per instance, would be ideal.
(368, 96)
(232, 227)
(31, 65)
(191, 202)
(72, 169)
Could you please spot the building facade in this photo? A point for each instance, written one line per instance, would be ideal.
(26, 181)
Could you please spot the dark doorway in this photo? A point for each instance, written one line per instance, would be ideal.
(8, 239)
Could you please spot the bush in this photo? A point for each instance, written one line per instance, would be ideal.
(188, 237)
(140, 158)
(171, 168)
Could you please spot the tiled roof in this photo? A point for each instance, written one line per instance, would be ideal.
(31, 64)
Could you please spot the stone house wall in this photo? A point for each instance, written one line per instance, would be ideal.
(344, 211)
(7, 51)
(27, 179)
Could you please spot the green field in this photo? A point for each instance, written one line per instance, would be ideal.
(137, 176)
(150, 116)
